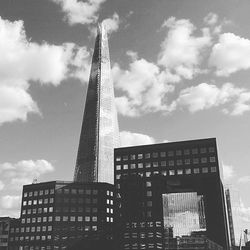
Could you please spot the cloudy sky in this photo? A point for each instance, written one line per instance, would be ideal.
(181, 70)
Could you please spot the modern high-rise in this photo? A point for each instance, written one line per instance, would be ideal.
(100, 132)
(170, 185)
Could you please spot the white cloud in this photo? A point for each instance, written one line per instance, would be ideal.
(205, 96)
(211, 18)
(1, 185)
(10, 202)
(230, 54)
(111, 24)
(23, 62)
(132, 139)
(181, 51)
(145, 87)
(79, 12)
(244, 179)
(23, 172)
(243, 212)
(228, 172)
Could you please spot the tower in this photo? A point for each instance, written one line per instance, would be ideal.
(100, 132)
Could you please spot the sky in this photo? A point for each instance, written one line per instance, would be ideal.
(181, 71)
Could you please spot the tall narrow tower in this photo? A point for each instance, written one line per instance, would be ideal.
(100, 132)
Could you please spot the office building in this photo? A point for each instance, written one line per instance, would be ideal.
(58, 215)
(147, 176)
(230, 217)
(99, 133)
(4, 232)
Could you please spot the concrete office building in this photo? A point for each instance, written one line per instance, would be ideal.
(56, 215)
(146, 175)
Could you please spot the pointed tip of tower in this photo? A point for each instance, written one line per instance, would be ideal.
(101, 28)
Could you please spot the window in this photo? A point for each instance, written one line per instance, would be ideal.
(147, 155)
(163, 163)
(125, 157)
(132, 157)
(203, 150)
(118, 167)
(44, 219)
(149, 203)
(178, 152)
(24, 203)
(195, 160)
(140, 156)
(72, 218)
(46, 192)
(33, 229)
(46, 201)
(58, 218)
(195, 151)
(28, 220)
(50, 218)
(213, 169)
(179, 162)
(66, 191)
(118, 158)
(171, 163)
(163, 154)
(87, 218)
(148, 174)
(118, 176)
(211, 149)
(65, 218)
(149, 214)
(52, 191)
(212, 159)
(39, 219)
(30, 194)
(170, 153)
(171, 172)
(79, 218)
(33, 220)
(155, 154)
(51, 200)
(187, 161)
(25, 194)
(196, 170)
(140, 165)
(147, 165)
(155, 164)
(40, 201)
(186, 152)
(164, 172)
(35, 193)
(204, 170)
(132, 166)
(94, 218)
(45, 209)
(41, 192)
(179, 172)
(148, 184)
(149, 193)
(125, 166)
(73, 191)
(95, 192)
(188, 171)
(50, 209)
(204, 160)
(88, 191)
(38, 229)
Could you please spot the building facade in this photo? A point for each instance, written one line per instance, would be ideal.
(56, 215)
(144, 175)
(99, 133)
(4, 232)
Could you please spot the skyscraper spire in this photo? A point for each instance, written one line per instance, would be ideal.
(100, 132)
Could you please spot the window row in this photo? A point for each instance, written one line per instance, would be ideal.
(148, 224)
(170, 163)
(38, 202)
(77, 191)
(77, 200)
(143, 246)
(164, 154)
(77, 209)
(187, 171)
(36, 219)
(76, 218)
(31, 238)
(39, 192)
(37, 210)
(142, 235)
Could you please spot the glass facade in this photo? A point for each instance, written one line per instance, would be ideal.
(184, 212)
(100, 133)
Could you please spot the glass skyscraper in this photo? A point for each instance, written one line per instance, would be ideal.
(100, 132)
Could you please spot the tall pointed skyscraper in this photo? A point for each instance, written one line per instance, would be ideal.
(100, 132)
